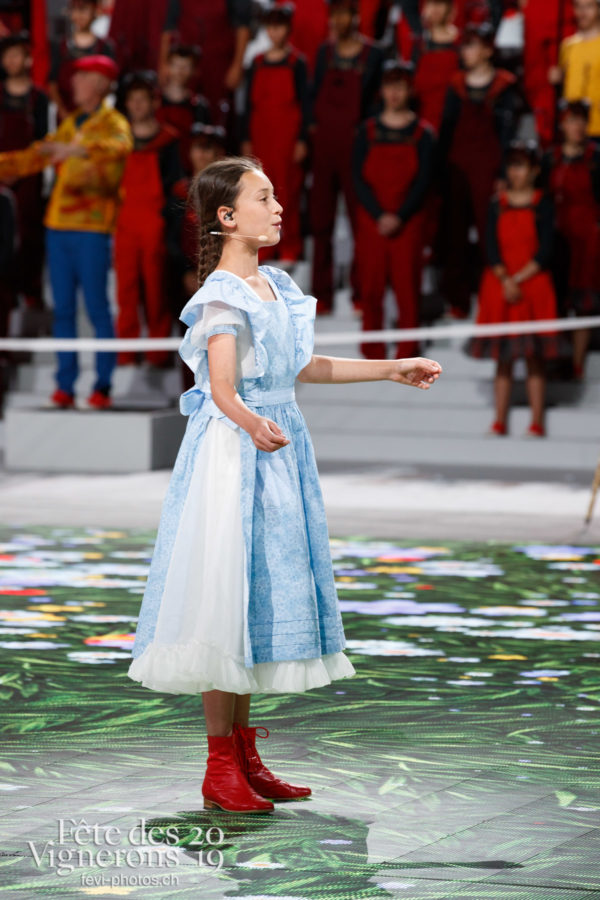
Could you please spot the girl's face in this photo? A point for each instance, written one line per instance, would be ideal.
(278, 35)
(436, 13)
(82, 16)
(140, 105)
(574, 128)
(180, 70)
(256, 209)
(203, 154)
(16, 61)
(396, 94)
(520, 174)
(341, 22)
(475, 53)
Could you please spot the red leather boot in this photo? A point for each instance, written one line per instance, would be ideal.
(259, 777)
(225, 785)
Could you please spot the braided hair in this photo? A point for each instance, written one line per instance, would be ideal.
(216, 185)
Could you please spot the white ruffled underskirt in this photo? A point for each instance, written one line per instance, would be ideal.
(195, 667)
(198, 642)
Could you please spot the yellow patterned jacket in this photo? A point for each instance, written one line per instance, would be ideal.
(85, 196)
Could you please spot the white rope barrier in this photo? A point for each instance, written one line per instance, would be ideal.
(48, 344)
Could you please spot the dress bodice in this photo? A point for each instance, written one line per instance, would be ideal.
(274, 338)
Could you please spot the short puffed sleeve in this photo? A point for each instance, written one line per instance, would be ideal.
(219, 317)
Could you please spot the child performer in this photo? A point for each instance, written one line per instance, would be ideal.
(347, 76)
(392, 163)
(436, 56)
(240, 596)
(23, 119)
(151, 170)
(479, 121)
(579, 62)
(180, 107)
(277, 91)
(81, 42)
(574, 182)
(517, 286)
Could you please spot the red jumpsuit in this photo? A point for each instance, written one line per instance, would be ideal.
(435, 66)
(277, 105)
(543, 22)
(477, 124)
(22, 121)
(518, 235)
(140, 250)
(337, 110)
(396, 173)
(180, 117)
(577, 222)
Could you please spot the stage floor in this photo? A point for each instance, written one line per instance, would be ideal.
(461, 761)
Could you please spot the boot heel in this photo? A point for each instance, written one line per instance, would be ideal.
(210, 804)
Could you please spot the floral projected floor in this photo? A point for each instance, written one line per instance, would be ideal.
(460, 761)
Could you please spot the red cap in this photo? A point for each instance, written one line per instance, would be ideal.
(97, 63)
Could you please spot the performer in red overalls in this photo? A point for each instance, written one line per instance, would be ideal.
(277, 92)
(140, 253)
(517, 284)
(81, 42)
(479, 120)
(347, 77)
(436, 57)
(547, 23)
(180, 105)
(23, 119)
(392, 162)
(574, 181)
(221, 28)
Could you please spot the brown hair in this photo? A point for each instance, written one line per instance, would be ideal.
(216, 185)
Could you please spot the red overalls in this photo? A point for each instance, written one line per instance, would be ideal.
(542, 39)
(140, 251)
(180, 117)
(518, 243)
(337, 110)
(275, 123)
(434, 70)
(474, 163)
(389, 169)
(205, 23)
(577, 218)
(17, 132)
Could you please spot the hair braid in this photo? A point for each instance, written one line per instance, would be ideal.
(216, 185)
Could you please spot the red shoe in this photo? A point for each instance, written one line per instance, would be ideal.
(62, 399)
(536, 430)
(498, 428)
(99, 400)
(225, 785)
(259, 777)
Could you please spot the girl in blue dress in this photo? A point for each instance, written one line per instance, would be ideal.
(240, 596)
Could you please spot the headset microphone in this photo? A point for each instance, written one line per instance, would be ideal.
(256, 237)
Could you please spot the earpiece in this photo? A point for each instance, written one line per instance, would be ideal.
(229, 215)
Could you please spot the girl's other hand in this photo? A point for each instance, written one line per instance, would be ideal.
(416, 372)
(267, 435)
(512, 291)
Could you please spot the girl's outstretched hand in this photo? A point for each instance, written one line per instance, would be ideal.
(416, 372)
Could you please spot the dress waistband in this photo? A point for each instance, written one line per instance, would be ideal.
(269, 398)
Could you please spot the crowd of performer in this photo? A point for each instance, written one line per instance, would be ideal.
(405, 109)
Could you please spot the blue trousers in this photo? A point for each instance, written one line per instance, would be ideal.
(80, 259)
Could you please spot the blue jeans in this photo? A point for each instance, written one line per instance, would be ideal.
(80, 259)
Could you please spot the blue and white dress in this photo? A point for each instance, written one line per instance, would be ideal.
(240, 593)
